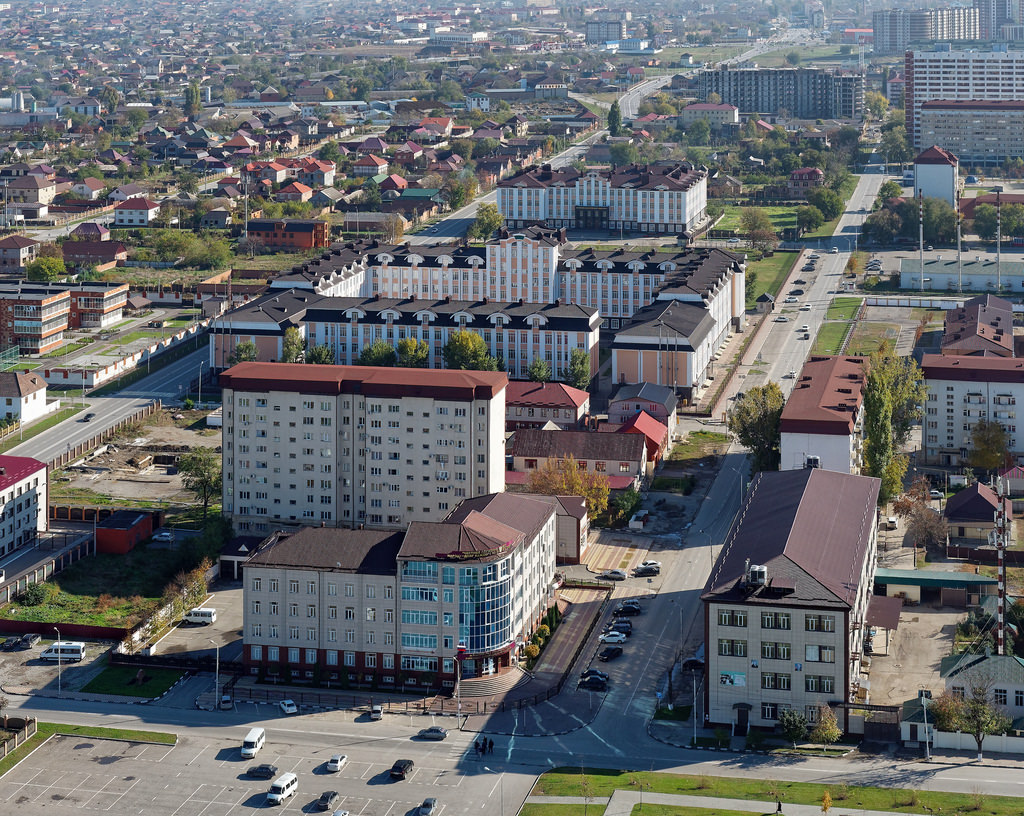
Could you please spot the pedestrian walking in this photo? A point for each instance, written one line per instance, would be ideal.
(490, 746)
(778, 805)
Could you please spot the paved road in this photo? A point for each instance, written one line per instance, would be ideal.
(163, 384)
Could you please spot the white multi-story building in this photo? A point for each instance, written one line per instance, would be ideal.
(823, 420)
(895, 29)
(786, 605)
(936, 175)
(961, 392)
(23, 502)
(397, 609)
(647, 198)
(349, 445)
(959, 75)
(984, 133)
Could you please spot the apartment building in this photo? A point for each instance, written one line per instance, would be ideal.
(983, 326)
(823, 420)
(979, 273)
(33, 316)
(17, 252)
(717, 115)
(535, 404)
(598, 32)
(896, 29)
(419, 608)
(517, 333)
(959, 75)
(962, 391)
(646, 198)
(23, 502)
(289, 233)
(786, 604)
(350, 445)
(980, 132)
(806, 93)
(96, 304)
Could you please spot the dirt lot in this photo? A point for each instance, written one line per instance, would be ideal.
(113, 471)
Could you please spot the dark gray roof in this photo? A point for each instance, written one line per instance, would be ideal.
(683, 326)
(333, 549)
(518, 511)
(811, 528)
(651, 392)
(475, 537)
(536, 443)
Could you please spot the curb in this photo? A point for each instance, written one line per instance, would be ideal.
(186, 676)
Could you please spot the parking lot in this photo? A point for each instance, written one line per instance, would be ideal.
(226, 632)
(201, 776)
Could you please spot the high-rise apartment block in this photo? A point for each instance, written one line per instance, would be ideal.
(350, 445)
(896, 29)
(807, 93)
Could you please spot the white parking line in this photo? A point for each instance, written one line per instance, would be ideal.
(185, 801)
(123, 793)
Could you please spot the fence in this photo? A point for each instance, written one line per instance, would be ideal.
(21, 729)
(74, 451)
(958, 741)
(19, 583)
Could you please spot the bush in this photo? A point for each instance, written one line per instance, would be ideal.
(34, 595)
(532, 651)
(543, 631)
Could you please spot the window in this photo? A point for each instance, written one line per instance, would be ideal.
(732, 648)
(273, 654)
(819, 683)
(775, 651)
(311, 611)
(255, 607)
(293, 586)
(814, 653)
(274, 585)
(999, 696)
(1018, 698)
(257, 584)
(775, 680)
(732, 617)
(820, 623)
(769, 711)
(775, 620)
(958, 692)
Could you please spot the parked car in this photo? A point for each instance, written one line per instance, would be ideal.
(402, 768)
(612, 637)
(29, 640)
(435, 732)
(622, 611)
(620, 625)
(610, 653)
(790, 299)
(630, 602)
(10, 644)
(834, 251)
(328, 800)
(165, 536)
(800, 282)
(613, 575)
(782, 319)
(734, 240)
(226, 703)
(288, 707)
(593, 673)
(650, 563)
(336, 763)
(936, 494)
(594, 684)
(813, 256)
(429, 807)
(264, 771)
(796, 292)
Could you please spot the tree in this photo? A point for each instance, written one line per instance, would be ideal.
(292, 346)
(244, 352)
(989, 444)
(488, 220)
(320, 355)
(45, 269)
(578, 373)
(876, 104)
(193, 100)
(699, 132)
(413, 353)
(891, 189)
(201, 474)
(758, 227)
(378, 353)
(793, 58)
(1012, 220)
(826, 730)
(623, 153)
(977, 713)
(895, 147)
(330, 152)
(626, 503)
(563, 477)
(615, 119)
(985, 221)
(826, 801)
(371, 196)
(827, 201)
(809, 218)
(539, 370)
(793, 725)
(755, 420)
(467, 350)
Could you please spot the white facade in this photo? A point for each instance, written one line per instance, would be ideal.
(833, 451)
(345, 446)
(23, 502)
(977, 273)
(936, 181)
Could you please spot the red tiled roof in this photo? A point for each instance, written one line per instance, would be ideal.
(936, 155)
(138, 204)
(643, 423)
(552, 395)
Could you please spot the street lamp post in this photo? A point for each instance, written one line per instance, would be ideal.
(501, 790)
(59, 690)
(927, 742)
(216, 674)
(200, 400)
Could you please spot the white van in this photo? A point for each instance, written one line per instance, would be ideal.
(283, 787)
(64, 651)
(204, 615)
(253, 742)
(376, 712)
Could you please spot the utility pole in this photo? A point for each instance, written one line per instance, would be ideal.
(998, 539)
(959, 249)
(999, 239)
(920, 227)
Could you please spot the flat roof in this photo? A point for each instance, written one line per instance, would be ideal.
(931, 578)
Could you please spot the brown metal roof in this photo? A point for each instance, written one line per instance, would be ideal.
(530, 442)
(973, 369)
(334, 549)
(827, 396)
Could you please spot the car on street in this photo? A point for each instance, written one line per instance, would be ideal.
(594, 684)
(593, 673)
(800, 282)
(790, 299)
(646, 572)
(834, 251)
(929, 248)
(165, 536)
(10, 644)
(796, 292)
(650, 563)
(936, 494)
(610, 653)
(328, 800)
(89, 417)
(288, 707)
(402, 768)
(435, 732)
(336, 763)
(613, 575)
(29, 640)
(429, 807)
(613, 637)
(791, 375)
(807, 268)
(733, 240)
(806, 307)
(620, 625)
(804, 328)
(782, 319)
(813, 256)
(264, 771)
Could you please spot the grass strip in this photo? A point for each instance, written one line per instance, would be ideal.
(830, 337)
(649, 809)
(47, 730)
(768, 275)
(120, 680)
(538, 809)
(603, 782)
(843, 308)
(37, 428)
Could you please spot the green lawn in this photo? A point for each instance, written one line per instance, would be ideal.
(768, 275)
(678, 713)
(682, 810)
(47, 730)
(697, 445)
(38, 427)
(566, 782)
(843, 308)
(830, 337)
(867, 337)
(533, 809)
(122, 680)
(827, 229)
(823, 53)
(781, 217)
(671, 485)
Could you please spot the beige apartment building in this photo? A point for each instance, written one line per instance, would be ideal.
(352, 445)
